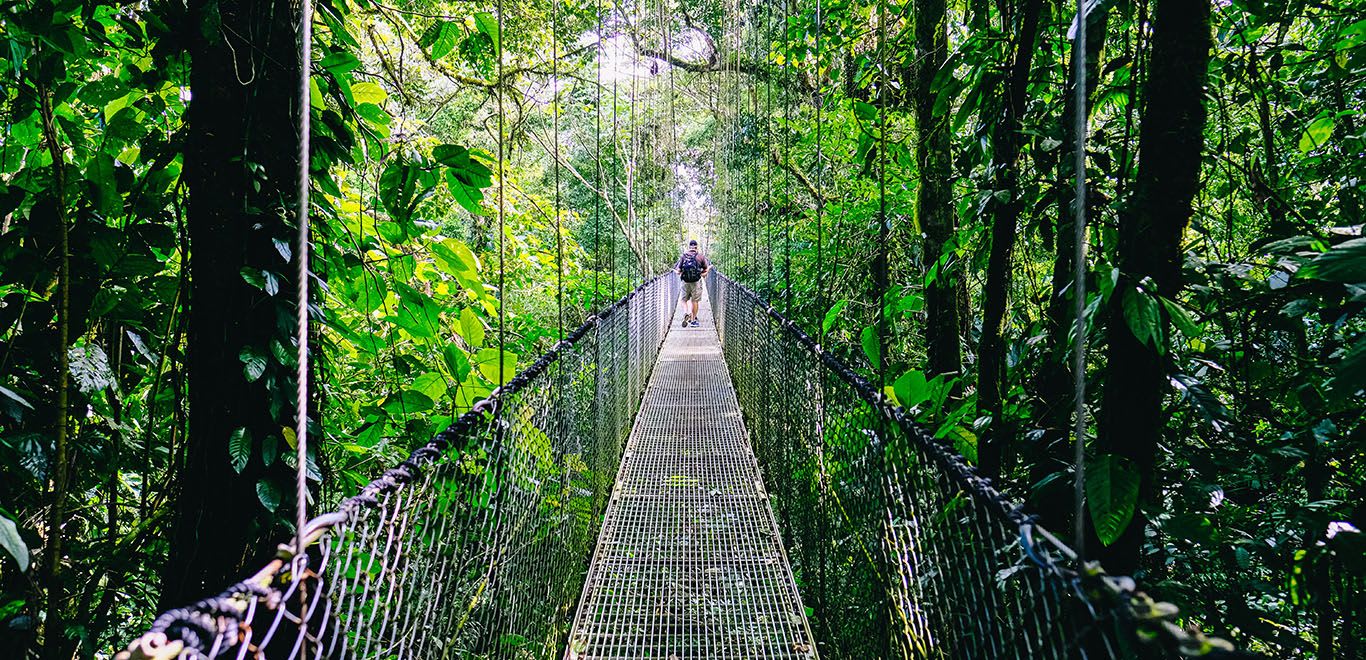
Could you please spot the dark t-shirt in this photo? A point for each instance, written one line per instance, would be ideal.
(701, 260)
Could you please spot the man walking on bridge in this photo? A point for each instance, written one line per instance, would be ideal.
(691, 268)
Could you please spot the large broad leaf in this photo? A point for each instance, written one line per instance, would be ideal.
(269, 494)
(440, 38)
(253, 363)
(1140, 313)
(872, 347)
(487, 360)
(1182, 318)
(431, 384)
(456, 259)
(239, 448)
(417, 312)
(368, 92)
(471, 328)
(397, 188)
(467, 194)
(1111, 495)
(407, 402)
(489, 26)
(13, 543)
(1344, 263)
(1350, 375)
(457, 363)
(832, 315)
(1316, 134)
(911, 389)
(90, 368)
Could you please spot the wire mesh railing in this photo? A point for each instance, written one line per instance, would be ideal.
(477, 544)
(898, 547)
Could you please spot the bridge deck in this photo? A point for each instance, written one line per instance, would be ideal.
(689, 562)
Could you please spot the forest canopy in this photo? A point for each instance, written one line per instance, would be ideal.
(896, 176)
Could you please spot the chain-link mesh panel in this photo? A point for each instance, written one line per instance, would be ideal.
(476, 546)
(899, 548)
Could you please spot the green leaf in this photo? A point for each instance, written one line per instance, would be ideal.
(1140, 313)
(100, 173)
(457, 363)
(1317, 133)
(467, 195)
(1350, 375)
(1345, 263)
(368, 92)
(471, 328)
(407, 402)
(455, 258)
(1181, 317)
(911, 389)
(487, 361)
(340, 63)
(90, 368)
(964, 440)
(269, 494)
(1190, 526)
(872, 347)
(832, 315)
(489, 26)
(417, 312)
(431, 384)
(239, 448)
(253, 363)
(11, 395)
(13, 543)
(440, 38)
(1111, 495)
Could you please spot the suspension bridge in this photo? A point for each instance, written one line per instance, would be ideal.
(767, 503)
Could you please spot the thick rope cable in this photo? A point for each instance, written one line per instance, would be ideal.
(1079, 283)
(301, 289)
(301, 314)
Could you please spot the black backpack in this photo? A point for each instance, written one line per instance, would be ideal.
(689, 268)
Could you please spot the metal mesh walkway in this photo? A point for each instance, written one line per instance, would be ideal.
(689, 563)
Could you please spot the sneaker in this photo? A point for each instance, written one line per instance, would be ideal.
(695, 323)
(685, 320)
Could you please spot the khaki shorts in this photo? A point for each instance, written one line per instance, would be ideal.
(692, 291)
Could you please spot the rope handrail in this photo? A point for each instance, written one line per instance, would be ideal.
(1145, 620)
(206, 629)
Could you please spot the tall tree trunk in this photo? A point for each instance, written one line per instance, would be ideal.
(240, 169)
(1005, 159)
(1054, 504)
(934, 201)
(55, 642)
(1171, 141)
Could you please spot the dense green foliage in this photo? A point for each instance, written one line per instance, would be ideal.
(894, 175)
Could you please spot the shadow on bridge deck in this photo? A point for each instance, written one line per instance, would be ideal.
(689, 563)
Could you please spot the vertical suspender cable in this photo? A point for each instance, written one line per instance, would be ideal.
(883, 281)
(1079, 280)
(301, 323)
(301, 319)
(502, 200)
(597, 168)
(555, 128)
(820, 176)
